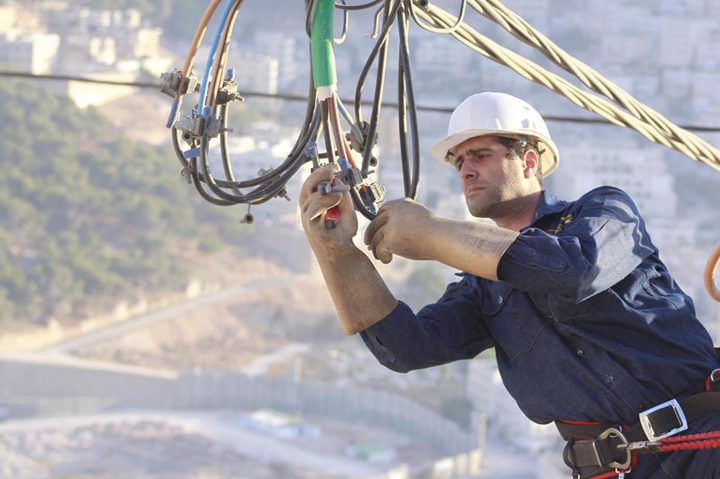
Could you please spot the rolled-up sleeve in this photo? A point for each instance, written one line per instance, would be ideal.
(601, 244)
(439, 333)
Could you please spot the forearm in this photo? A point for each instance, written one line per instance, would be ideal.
(360, 295)
(472, 247)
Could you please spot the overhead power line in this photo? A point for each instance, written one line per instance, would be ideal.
(303, 98)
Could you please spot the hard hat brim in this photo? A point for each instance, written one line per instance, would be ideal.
(549, 155)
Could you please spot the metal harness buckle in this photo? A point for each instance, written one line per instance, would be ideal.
(647, 426)
(617, 466)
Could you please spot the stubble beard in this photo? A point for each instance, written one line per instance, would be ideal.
(485, 204)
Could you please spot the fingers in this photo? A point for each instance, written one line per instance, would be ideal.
(324, 173)
(380, 249)
(321, 191)
(380, 220)
(316, 204)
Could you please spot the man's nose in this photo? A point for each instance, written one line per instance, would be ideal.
(467, 172)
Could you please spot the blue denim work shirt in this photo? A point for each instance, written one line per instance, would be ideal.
(586, 321)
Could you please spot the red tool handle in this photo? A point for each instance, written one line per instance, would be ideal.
(332, 217)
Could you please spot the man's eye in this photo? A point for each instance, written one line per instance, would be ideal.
(459, 164)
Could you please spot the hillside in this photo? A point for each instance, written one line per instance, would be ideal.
(88, 218)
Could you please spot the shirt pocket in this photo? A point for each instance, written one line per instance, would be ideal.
(513, 321)
(567, 310)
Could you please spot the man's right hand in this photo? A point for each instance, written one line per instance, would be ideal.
(313, 209)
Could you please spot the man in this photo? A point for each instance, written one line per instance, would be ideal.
(590, 329)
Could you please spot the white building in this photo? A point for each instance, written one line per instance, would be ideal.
(30, 52)
(707, 53)
(676, 83)
(712, 8)
(678, 37)
(640, 172)
(256, 73)
(705, 98)
(8, 17)
(441, 54)
(284, 48)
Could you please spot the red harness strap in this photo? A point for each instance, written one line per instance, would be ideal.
(594, 450)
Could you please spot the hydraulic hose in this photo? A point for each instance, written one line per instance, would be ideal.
(712, 264)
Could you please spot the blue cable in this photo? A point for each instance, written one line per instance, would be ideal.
(211, 57)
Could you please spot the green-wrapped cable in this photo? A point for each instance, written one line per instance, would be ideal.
(323, 56)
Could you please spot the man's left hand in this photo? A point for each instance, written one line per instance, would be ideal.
(402, 227)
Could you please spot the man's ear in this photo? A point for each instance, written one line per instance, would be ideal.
(531, 162)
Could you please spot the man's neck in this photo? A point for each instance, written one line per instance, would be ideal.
(520, 212)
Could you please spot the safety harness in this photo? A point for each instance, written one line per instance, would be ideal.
(599, 451)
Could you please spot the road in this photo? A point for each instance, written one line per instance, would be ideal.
(164, 314)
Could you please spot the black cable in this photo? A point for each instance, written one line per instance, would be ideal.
(408, 92)
(381, 50)
(227, 165)
(309, 4)
(346, 21)
(348, 101)
(267, 185)
(327, 135)
(343, 6)
(200, 189)
(382, 38)
(389, 19)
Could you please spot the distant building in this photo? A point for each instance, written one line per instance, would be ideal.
(29, 52)
(713, 8)
(257, 73)
(676, 83)
(8, 17)
(678, 36)
(705, 99)
(88, 94)
(639, 171)
(284, 48)
(437, 53)
(707, 53)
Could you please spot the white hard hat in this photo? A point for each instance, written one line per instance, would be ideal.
(498, 114)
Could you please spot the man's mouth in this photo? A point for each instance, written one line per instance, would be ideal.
(474, 189)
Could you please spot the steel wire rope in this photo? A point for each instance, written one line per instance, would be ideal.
(534, 72)
(519, 28)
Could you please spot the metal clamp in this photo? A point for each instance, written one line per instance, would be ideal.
(647, 427)
(613, 433)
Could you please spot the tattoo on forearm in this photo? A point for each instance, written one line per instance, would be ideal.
(483, 239)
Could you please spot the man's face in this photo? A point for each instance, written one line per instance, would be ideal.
(490, 176)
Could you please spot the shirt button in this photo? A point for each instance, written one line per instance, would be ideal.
(580, 352)
(500, 300)
(609, 378)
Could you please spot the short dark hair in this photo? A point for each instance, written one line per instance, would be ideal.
(519, 145)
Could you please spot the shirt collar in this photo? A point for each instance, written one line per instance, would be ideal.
(549, 204)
